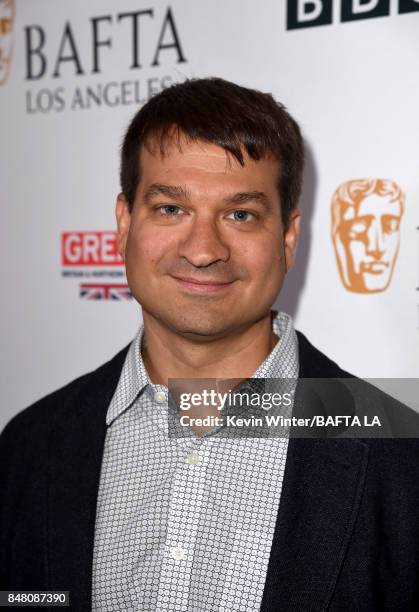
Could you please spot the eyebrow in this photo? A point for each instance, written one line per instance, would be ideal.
(169, 191)
(250, 196)
(177, 191)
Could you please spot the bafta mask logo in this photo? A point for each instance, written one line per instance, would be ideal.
(7, 20)
(366, 215)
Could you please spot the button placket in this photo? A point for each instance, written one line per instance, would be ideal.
(187, 491)
(157, 408)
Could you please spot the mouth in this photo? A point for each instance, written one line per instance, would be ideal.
(202, 286)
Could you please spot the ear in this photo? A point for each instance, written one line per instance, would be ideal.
(123, 221)
(291, 236)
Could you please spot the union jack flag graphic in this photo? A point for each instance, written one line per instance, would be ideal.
(104, 291)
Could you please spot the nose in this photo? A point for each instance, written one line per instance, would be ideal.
(203, 245)
(375, 246)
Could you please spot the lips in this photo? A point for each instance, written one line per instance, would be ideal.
(202, 285)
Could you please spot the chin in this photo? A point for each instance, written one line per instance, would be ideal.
(199, 329)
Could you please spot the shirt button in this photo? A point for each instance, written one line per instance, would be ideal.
(160, 397)
(193, 457)
(178, 553)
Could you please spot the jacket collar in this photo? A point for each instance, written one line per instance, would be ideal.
(75, 456)
(321, 494)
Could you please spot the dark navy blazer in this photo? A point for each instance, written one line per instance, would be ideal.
(347, 530)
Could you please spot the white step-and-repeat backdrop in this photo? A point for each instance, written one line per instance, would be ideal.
(72, 75)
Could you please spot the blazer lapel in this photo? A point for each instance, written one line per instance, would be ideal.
(322, 489)
(76, 448)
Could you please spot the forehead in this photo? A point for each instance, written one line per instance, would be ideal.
(379, 205)
(205, 166)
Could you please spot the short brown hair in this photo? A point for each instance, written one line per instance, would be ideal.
(222, 113)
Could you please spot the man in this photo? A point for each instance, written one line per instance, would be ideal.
(366, 215)
(99, 499)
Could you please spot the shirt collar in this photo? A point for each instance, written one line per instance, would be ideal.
(282, 362)
(133, 380)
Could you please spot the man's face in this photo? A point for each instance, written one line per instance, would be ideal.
(204, 246)
(370, 237)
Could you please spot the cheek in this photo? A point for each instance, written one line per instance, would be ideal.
(263, 260)
(146, 247)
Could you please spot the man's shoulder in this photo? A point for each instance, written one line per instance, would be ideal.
(342, 389)
(315, 364)
(67, 400)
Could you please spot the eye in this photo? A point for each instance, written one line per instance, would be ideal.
(241, 215)
(169, 210)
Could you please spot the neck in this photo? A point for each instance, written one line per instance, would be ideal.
(168, 354)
